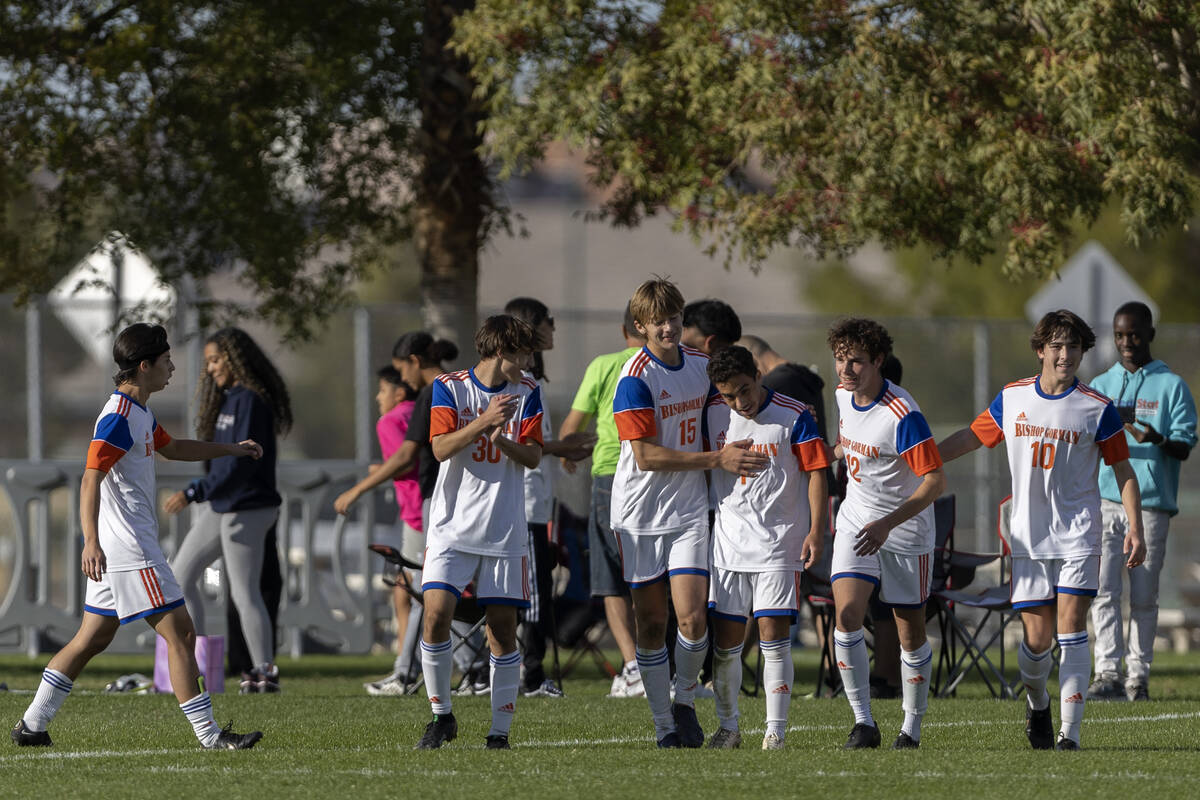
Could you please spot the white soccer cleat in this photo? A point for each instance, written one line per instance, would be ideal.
(772, 741)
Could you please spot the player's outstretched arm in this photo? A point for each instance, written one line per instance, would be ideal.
(871, 538)
(1131, 499)
(958, 444)
(497, 414)
(575, 422)
(195, 450)
(92, 561)
(398, 463)
(735, 457)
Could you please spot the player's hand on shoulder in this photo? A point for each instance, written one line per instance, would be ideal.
(175, 503)
(249, 447)
(738, 458)
(93, 562)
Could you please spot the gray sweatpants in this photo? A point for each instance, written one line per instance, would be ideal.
(240, 538)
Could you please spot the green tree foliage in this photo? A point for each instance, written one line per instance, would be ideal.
(959, 125)
(274, 138)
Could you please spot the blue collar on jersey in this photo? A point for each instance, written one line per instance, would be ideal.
(682, 357)
(871, 404)
(1037, 385)
(766, 400)
(479, 383)
(130, 399)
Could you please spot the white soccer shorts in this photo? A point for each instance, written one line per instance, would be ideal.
(499, 580)
(734, 595)
(903, 580)
(133, 594)
(1039, 582)
(647, 559)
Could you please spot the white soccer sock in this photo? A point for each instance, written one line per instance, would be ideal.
(506, 675)
(48, 699)
(1074, 667)
(199, 712)
(855, 666)
(1035, 671)
(656, 679)
(436, 664)
(689, 660)
(778, 676)
(727, 682)
(915, 669)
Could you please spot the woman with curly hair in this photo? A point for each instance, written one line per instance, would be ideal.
(242, 396)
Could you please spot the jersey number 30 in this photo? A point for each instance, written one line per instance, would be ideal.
(486, 450)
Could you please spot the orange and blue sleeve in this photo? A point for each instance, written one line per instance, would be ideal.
(988, 427)
(807, 443)
(914, 442)
(633, 409)
(161, 437)
(1110, 436)
(443, 411)
(531, 418)
(111, 441)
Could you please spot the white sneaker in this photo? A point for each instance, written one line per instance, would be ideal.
(392, 685)
(628, 683)
(772, 741)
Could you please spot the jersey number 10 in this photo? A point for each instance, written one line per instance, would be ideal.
(1043, 454)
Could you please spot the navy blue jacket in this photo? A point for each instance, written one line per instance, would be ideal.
(240, 483)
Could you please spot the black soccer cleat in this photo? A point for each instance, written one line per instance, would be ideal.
(1066, 744)
(862, 736)
(23, 737)
(443, 728)
(1039, 727)
(497, 742)
(905, 742)
(670, 742)
(228, 740)
(688, 727)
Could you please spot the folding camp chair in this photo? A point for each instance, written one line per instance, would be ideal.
(467, 611)
(965, 643)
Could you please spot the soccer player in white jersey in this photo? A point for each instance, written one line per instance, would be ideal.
(128, 576)
(768, 528)
(486, 430)
(660, 504)
(1056, 429)
(885, 529)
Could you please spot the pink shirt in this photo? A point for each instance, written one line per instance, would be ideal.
(391, 429)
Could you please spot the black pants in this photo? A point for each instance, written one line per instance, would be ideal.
(271, 583)
(535, 633)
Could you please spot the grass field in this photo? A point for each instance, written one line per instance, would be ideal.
(326, 738)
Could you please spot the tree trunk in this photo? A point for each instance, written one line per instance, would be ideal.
(454, 197)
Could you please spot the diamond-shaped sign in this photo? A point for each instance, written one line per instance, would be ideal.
(85, 300)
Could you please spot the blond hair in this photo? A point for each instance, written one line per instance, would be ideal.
(655, 300)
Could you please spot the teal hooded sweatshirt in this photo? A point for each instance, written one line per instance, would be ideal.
(1160, 397)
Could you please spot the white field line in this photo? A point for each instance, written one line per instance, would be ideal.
(49, 755)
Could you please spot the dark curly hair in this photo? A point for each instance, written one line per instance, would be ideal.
(1062, 322)
(733, 360)
(251, 368)
(865, 334)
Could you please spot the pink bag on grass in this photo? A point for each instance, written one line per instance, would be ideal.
(210, 656)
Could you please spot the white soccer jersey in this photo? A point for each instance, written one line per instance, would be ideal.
(888, 448)
(123, 445)
(762, 522)
(1054, 447)
(478, 503)
(663, 405)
